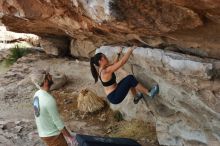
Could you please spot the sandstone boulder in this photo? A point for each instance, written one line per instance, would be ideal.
(185, 112)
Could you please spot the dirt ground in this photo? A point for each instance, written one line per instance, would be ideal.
(101, 123)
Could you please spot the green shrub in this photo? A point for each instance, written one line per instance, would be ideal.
(118, 116)
(15, 54)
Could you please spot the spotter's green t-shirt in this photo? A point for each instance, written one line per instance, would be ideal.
(47, 117)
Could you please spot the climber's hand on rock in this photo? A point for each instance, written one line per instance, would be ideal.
(130, 49)
(120, 50)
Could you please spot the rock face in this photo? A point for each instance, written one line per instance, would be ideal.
(57, 46)
(191, 26)
(18, 133)
(186, 112)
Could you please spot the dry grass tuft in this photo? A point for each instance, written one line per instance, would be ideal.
(89, 102)
(134, 130)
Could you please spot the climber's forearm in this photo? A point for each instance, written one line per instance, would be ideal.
(117, 58)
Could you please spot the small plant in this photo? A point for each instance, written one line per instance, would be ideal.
(15, 54)
(118, 116)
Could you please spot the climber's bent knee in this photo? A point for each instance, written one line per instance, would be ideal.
(118, 95)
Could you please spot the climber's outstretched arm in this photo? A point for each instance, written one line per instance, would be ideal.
(114, 67)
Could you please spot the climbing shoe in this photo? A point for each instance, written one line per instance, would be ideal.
(154, 91)
(137, 97)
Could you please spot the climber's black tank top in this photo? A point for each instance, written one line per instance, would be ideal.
(112, 81)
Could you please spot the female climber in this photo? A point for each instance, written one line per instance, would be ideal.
(102, 69)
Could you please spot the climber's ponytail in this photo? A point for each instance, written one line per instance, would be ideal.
(95, 61)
